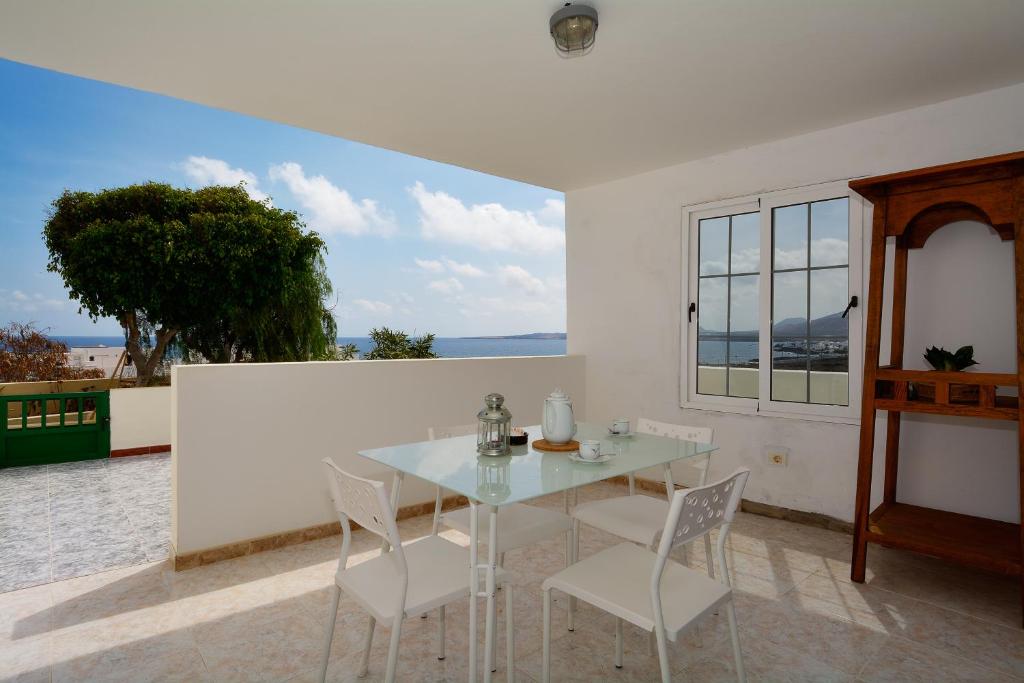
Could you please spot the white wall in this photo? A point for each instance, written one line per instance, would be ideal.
(625, 254)
(247, 438)
(140, 417)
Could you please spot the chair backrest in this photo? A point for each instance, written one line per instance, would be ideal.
(364, 501)
(448, 432)
(695, 512)
(674, 431)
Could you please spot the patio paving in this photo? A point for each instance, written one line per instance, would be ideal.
(260, 618)
(62, 521)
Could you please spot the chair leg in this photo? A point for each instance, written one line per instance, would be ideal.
(734, 634)
(618, 643)
(440, 632)
(666, 674)
(545, 667)
(329, 632)
(510, 637)
(436, 524)
(364, 666)
(396, 632)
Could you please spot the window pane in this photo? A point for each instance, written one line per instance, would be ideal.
(830, 233)
(830, 371)
(743, 334)
(789, 231)
(789, 304)
(829, 296)
(711, 336)
(789, 370)
(829, 346)
(743, 306)
(714, 246)
(746, 240)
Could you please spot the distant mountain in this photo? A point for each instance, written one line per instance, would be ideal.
(532, 335)
(832, 325)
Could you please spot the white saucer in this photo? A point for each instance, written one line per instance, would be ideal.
(613, 435)
(603, 458)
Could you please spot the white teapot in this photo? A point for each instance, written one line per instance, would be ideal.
(559, 425)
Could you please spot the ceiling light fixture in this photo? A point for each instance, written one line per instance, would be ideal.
(574, 28)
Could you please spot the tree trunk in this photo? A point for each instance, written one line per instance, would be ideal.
(145, 363)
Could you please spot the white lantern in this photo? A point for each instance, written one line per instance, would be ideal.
(494, 425)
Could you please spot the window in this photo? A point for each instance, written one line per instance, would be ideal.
(770, 278)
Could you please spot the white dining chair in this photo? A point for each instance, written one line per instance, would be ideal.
(519, 525)
(404, 580)
(651, 590)
(640, 518)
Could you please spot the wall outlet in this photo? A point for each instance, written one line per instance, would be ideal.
(776, 456)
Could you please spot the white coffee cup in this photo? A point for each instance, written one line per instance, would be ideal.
(590, 450)
(620, 426)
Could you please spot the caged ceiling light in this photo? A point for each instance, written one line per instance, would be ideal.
(574, 28)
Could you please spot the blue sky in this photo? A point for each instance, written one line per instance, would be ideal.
(413, 244)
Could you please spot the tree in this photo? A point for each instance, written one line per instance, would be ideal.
(394, 344)
(236, 278)
(28, 355)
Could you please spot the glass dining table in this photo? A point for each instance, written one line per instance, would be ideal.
(492, 482)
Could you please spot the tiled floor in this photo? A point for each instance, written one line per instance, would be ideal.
(260, 618)
(79, 518)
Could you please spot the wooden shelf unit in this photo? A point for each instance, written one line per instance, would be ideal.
(909, 207)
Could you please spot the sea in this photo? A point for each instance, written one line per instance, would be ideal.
(445, 347)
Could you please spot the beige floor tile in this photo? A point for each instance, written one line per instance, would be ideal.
(843, 644)
(763, 662)
(262, 618)
(25, 613)
(26, 660)
(908, 662)
(987, 643)
(261, 651)
(170, 657)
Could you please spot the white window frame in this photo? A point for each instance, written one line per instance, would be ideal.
(859, 212)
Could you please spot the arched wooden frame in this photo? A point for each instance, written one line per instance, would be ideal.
(911, 206)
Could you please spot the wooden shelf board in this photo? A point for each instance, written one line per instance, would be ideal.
(1004, 409)
(974, 541)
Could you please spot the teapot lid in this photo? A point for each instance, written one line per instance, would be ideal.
(559, 395)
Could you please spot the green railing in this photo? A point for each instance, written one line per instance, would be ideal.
(40, 429)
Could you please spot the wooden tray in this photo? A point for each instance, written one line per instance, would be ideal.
(543, 445)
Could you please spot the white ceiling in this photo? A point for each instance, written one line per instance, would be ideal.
(478, 83)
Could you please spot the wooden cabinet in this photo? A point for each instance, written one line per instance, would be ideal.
(909, 207)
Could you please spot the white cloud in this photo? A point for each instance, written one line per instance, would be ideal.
(332, 210)
(429, 265)
(404, 297)
(447, 286)
(465, 269)
(378, 307)
(21, 302)
(488, 227)
(553, 212)
(520, 278)
(206, 171)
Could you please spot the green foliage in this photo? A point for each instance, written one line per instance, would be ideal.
(394, 344)
(346, 352)
(941, 359)
(219, 274)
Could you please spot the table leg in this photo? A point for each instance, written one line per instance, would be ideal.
(492, 563)
(474, 584)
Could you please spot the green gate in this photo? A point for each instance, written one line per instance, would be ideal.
(49, 428)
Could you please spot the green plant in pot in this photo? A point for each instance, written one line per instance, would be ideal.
(947, 361)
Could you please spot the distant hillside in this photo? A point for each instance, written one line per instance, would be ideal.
(833, 325)
(532, 335)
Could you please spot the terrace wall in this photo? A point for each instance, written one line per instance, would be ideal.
(248, 438)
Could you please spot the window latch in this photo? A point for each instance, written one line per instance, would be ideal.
(690, 311)
(852, 304)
